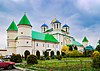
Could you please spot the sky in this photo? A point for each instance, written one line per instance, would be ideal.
(83, 16)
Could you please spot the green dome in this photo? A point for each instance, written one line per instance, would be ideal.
(24, 21)
(12, 27)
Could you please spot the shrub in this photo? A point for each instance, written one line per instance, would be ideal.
(59, 57)
(45, 54)
(62, 53)
(53, 57)
(42, 58)
(16, 58)
(48, 58)
(32, 59)
(38, 54)
(74, 53)
(52, 53)
(58, 53)
(96, 60)
(26, 53)
(94, 53)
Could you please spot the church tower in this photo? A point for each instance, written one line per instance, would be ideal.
(56, 24)
(44, 28)
(11, 36)
(24, 41)
(85, 41)
(66, 28)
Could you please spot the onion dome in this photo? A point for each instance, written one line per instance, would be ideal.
(55, 21)
(65, 25)
(44, 25)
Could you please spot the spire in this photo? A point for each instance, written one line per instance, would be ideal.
(85, 39)
(24, 20)
(12, 27)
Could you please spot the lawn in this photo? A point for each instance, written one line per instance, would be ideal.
(66, 64)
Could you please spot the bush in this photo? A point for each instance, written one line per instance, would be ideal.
(26, 53)
(94, 53)
(58, 53)
(96, 60)
(48, 58)
(54, 57)
(59, 57)
(38, 54)
(16, 58)
(62, 53)
(74, 53)
(45, 54)
(52, 53)
(32, 59)
(42, 58)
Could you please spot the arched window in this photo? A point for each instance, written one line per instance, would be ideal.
(57, 26)
(66, 29)
(44, 29)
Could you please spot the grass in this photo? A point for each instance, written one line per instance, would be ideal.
(66, 64)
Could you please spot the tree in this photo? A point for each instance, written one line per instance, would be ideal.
(98, 46)
(38, 54)
(26, 53)
(75, 48)
(45, 54)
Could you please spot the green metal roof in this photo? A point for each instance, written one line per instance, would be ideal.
(24, 21)
(12, 27)
(43, 37)
(74, 42)
(89, 47)
(85, 39)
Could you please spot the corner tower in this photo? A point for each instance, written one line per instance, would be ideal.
(44, 28)
(12, 32)
(85, 41)
(24, 41)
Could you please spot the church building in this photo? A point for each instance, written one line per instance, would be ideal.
(21, 37)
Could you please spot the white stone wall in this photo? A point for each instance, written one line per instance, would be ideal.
(85, 44)
(11, 50)
(3, 52)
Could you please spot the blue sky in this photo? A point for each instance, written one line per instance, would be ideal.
(83, 16)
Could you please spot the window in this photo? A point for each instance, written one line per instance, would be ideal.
(36, 44)
(8, 36)
(44, 29)
(57, 26)
(66, 29)
(61, 43)
(48, 45)
(53, 46)
(43, 45)
(21, 32)
(27, 42)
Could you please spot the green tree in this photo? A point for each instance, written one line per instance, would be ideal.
(26, 53)
(98, 46)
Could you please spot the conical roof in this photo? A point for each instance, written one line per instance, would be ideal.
(24, 21)
(12, 27)
(85, 39)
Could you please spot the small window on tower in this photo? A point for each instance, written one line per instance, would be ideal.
(43, 45)
(27, 42)
(21, 32)
(57, 26)
(8, 36)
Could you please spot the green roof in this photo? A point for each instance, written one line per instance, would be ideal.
(89, 47)
(74, 42)
(12, 27)
(43, 37)
(24, 21)
(85, 39)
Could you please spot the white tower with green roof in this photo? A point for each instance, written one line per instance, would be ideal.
(11, 36)
(24, 41)
(85, 41)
